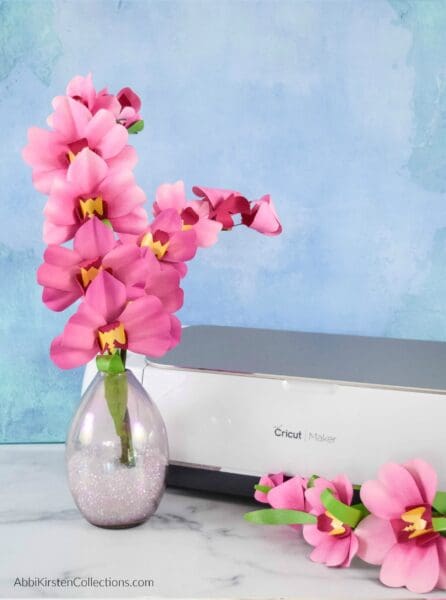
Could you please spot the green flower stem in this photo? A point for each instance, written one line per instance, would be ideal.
(116, 395)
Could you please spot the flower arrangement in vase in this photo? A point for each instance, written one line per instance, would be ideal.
(126, 271)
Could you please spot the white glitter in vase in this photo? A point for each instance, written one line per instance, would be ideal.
(111, 494)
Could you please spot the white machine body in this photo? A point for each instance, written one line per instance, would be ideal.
(249, 424)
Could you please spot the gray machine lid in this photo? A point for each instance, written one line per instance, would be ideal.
(356, 359)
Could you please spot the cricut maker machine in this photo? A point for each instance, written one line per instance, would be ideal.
(241, 402)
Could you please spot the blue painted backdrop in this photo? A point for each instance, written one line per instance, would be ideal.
(338, 109)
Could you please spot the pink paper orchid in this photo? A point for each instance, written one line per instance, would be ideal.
(335, 543)
(263, 217)
(129, 107)
(223, 204)
(167, 239)
(50, 153)
(106, 321)
(66, 274)
(398, 534)
(82, 89)
(194, 215)
(92, 189)
(269, 481)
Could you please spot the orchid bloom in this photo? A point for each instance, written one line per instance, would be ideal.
(166, 238)
(223, 204)
(66, 274)
(263, 217)
(268, 482)
(50, 153)
(399, 533)
(194, 215)
(92, 190)
(105, 322)
(82, 89)
(335, 543)
(129, 107)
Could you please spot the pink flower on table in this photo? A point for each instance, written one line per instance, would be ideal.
(50, 153)
(271, 481)
(263, 217)
(335, 543)
(129, 107)
(223, 204)
(194, 215)
(106, 321)
(92, 189)
(66, 274)
(398, 534)
(167, 240)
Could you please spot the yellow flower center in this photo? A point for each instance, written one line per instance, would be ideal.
(158, 249)
(185, 227)
(88, 274)
(337, 526)
(91, 207)
(71, 156)
(111, 337)
(416, 524)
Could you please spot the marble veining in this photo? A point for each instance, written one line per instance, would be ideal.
(195, 546)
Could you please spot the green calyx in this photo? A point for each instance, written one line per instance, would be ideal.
(136, 127)
(262, 488)
(110, 363)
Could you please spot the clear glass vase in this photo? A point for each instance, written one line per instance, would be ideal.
(117, 452)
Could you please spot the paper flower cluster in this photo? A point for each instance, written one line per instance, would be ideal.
(125, 268)
(398, 521)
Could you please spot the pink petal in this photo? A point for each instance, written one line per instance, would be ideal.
(107, 296)
(70, 118)
(343, 488)
(415, 567)
(182, 246)
(168, 220)
(324, 551)
(126, 159)
(69, 358)
(376, 538)
(59, 278)
(127, 264)
(57, 234)
(83, 88)
(441, 548)
(353, 551)
(207, 232)
(289, 494)
(263, 218)
(127, 97)
(425, 477)
(270, 480)
(126, 202)
(175, 331)
(148, 326)
(339, 553)
(59, 300)
(87, 170)
(93, 239)
(134, 222)
(170, 195)
(213, 195)
(60, 208)
(61, 257)
(312, 535)
(389, 496)
(105, 135)
(164, 284)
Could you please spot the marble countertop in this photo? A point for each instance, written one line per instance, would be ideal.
(194, 546)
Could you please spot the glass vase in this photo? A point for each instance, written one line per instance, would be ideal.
(117, 452)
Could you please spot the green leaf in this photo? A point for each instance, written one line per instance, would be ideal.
(439, 502)
(280, 516)
(107, 222)
(116, 395)
(262, 488)
(439, 524)
(136, 127)
(347, 514)
(110, 363)
(362, 509)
